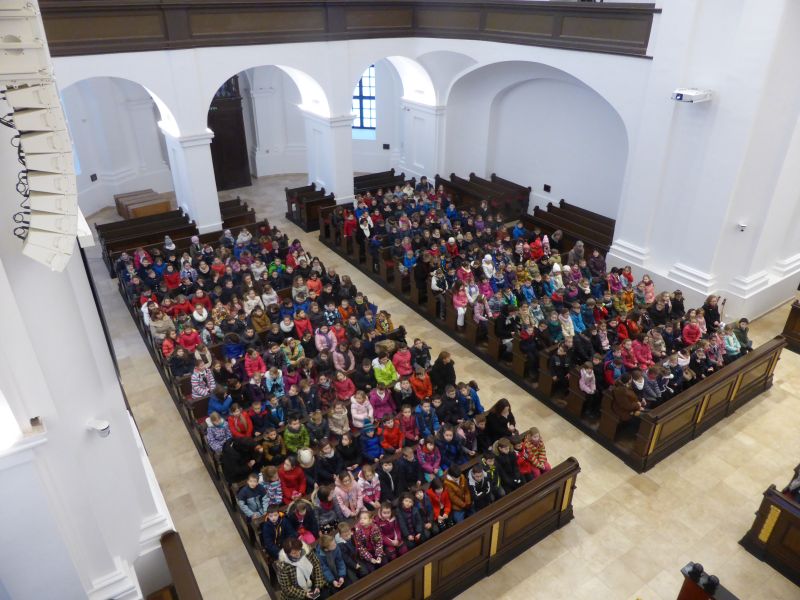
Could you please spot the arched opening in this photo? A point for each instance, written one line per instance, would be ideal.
(538, 126)
(119, 148)
(404, 101)
(259, 122)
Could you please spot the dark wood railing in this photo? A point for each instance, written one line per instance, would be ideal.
(775, 534)
(454, 560)
(791, 331)
(77, 27)
(683, 418)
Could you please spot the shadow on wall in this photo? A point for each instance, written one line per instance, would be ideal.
(539, 125)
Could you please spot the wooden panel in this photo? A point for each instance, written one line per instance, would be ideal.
(76, 27)
(720, 396)
(100, 28)
(517, 22)
(791, 539)
(226, 23)
(774, 536)
(396, 18)
(448, 19)
(462, 557)
(677, 422)
(514, 526)
(401, 590)
(605, 29)
(757, 371)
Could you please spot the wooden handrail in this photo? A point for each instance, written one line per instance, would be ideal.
(179, 567)
(561, 480)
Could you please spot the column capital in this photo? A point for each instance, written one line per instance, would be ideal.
(187, 140)
(332, 122)
(432, 109)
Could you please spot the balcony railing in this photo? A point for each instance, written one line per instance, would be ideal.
(77, 27)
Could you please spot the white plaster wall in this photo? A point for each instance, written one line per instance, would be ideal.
(369, 155)
(274, 126)
(685, 162)
(55, 365)
(113, 123)
(548, 131)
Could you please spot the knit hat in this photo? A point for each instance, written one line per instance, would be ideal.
(369, 427)
(195, 239)
(305, 457)
(168, 243)
(556, 268)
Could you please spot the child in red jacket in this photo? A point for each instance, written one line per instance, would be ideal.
(408, 425)
(344, 386)
(524, 459)
(240, 423)
(538, 453)
(392, 538)
(253, 363)
(440, 499)
(391, 434)
(293, 480)
(189, 339)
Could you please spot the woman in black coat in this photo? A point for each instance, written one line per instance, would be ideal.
(500, 421)
(443, 372)
(711, 313)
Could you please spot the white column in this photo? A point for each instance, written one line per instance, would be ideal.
(423, 139)
(193, 177)
(142, 116)
(55, 366)
(330, 154)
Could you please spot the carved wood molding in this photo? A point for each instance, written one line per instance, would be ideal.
(76, 27)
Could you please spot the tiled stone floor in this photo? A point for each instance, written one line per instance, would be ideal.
(631, 533)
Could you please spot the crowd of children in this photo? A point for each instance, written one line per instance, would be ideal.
(617, 331)
(353, 446)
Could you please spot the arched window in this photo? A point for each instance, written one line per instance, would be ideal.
(364, 101)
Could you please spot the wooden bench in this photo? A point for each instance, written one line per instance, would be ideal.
(774, 533)
(303, 206)
(479, 545)
(574, 230)
(791, 330)
(121, 225)
(601, 228)
(183, 243)
(384, 183)
(677, 421)
(597, 217)
(518, 196)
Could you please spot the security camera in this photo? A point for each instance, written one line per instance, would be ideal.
(102, 428)
(741, 226)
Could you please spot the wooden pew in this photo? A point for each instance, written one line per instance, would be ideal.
(307, 214)
(580, 218)
(523, 192)
(666, 428)
(595, 216)
(576, 231)
(121, 225)
(182, 244)
(791, 330)
(360, 179)
(774, 533)
(478, 546)
(247, 217)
